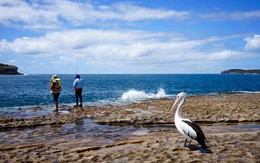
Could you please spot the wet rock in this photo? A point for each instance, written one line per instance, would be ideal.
(158, 145)
(6, 119)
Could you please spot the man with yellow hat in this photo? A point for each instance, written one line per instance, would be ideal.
(55, 86)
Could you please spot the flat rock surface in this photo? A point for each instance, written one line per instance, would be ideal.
(230, 122)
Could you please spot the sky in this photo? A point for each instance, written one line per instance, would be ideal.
(130, 37)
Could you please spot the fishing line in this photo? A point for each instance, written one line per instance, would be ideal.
(48, 95)
(33, 76)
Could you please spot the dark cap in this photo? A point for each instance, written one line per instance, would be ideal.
(77, 76)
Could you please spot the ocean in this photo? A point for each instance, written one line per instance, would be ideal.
(33, 90)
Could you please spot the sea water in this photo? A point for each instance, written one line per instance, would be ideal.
(33, 90)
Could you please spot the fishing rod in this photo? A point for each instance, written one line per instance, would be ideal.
(77, 66)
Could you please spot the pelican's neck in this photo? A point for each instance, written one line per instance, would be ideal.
(179, 108)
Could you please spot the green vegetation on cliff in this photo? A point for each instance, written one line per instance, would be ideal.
(9, 70)
(240, 71)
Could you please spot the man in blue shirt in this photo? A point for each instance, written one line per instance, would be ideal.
(78, 85)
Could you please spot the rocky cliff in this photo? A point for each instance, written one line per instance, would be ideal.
(9, 70)
(240, 71)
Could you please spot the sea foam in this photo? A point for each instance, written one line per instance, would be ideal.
(133, 94)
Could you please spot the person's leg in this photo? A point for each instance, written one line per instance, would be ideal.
(57, 105)
(77, 98)
(80, 97)
(56, 98)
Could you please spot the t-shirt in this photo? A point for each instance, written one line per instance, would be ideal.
(78, 83)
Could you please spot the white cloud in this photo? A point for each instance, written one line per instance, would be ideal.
(131, 47)
(247, 15)
(234, 16)
(252, 43)
(4, 45)
(12, 61)
(57, 13)
(224, 54)
(131, 12)
(20, 13)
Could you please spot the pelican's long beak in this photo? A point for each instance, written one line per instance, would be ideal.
(175, 105)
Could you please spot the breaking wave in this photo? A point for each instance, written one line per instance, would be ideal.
(133, 94)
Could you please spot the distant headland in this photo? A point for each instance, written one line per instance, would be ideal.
(240, 71)
(9, 70)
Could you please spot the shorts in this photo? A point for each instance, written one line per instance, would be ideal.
(56, 96)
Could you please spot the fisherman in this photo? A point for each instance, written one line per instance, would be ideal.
(78, 85)
(55, 86)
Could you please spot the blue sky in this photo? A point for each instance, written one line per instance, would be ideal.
(130, 37)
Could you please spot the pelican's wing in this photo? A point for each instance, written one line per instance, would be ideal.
(200, 136)
(186, 129)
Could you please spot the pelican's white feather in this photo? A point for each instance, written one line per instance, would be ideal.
(188, 128)
(185, 129)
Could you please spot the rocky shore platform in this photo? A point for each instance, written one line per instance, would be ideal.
(137, 132)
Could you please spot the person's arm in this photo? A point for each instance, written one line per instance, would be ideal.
(75, 83)
(53, 84)
(81, 83)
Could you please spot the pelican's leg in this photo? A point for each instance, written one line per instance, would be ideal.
(185, 142)
(190, 142)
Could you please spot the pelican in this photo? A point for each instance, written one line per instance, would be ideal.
(189, 129)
